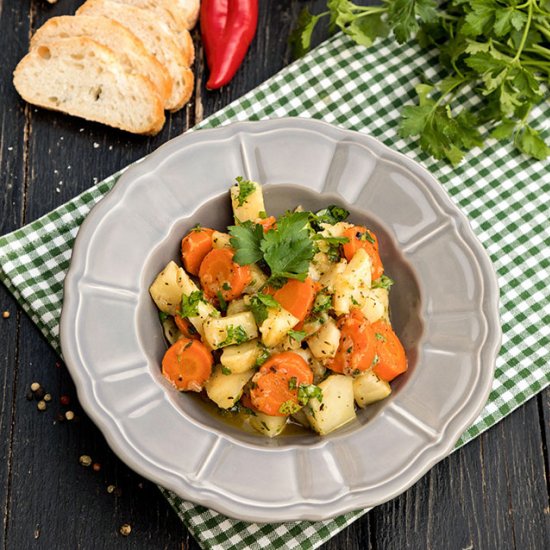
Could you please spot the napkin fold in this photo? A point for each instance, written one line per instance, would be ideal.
(505, 195)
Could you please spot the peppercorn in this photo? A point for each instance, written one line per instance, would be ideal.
(69, 415)
(60, 417)
(6, 314)
(39, 394)
(35, 386)
(111, 489)
(85, 460)
(125, 529)
(41, 405)
(96, 466)
(29, 395)
(64, 400)
(47, 397)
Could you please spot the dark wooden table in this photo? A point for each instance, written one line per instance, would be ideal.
(492, 494)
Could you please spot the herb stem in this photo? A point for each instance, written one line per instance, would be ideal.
(525, 31)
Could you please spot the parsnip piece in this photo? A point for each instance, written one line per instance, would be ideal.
(233, 329)
(337, 407)
(167, 289)
(368, 389)
(268, 425)
(351, 287)
(259, 278)
(237, 306)
(313, 325)
(376, 305)
(226, 389)
(329, 278)
(301, 418)
(171, 331)
(324, 343)
(242, 357)
(319, 266)
(247, 200)
(275, 328)
(221, 240)
(205, 309)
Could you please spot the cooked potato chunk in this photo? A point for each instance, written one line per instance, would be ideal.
(268, 425)
(247, 200)
(351, 286)
(230, 330)
(275, 328)
(376, 305)
(337, 406)
(226, 389)
(324, 343)
(242, 357)
(237, 306)
(329, 278)
(167, 289)
(368, 388)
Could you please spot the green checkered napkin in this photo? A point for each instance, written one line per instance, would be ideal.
(506, 197)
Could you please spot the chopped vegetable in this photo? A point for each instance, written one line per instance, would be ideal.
(297, 297)
(360, 237)
(194, 247)
(392, 360)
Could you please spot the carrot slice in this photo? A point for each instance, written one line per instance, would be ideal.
(357, 349)
(194, 247)
(360, 237)
(392, 360)
(297, 297)
(267, 223)
(186, 328)
(187, 364)
(277, 382)
(220, 275)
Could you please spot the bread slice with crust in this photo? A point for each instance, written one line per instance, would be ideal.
(80, 77)
(170, 15)
(126, 47)
(157, 39)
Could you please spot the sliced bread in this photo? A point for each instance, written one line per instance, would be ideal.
(128, 49)
(168, 13)
(157, 39)
(80, 77)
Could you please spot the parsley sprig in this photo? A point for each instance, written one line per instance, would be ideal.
(500, 49)
(287, 250)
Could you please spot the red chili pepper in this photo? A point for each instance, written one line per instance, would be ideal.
(227, 28)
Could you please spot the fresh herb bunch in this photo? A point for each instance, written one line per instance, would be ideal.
(498, 48)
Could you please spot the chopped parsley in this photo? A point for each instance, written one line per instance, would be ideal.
(221, 300)
(246, 188)
(292, 383)
(297, 335)
(365, 236)
(226, 286)
(331, 214)
(263, 356)
(309, 391)
(380, 336)
(197, 228)
(163, 316)
(234, 335)
(190, 304)
(289, 407)
(259, 304)
(322, 303)
(382, 282)
(226, 371)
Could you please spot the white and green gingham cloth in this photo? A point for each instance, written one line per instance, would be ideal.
(505, 195)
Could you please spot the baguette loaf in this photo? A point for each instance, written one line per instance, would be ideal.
(168, 13)
(80, 77)
(128, 49)
(157, 39)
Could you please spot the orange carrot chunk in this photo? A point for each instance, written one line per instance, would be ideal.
(221, 276)
(360, 237)
(187, 364)
(392, 360)
(357, 348)
(194, 247)
(186, 328)
(297, 297)
(275, 386)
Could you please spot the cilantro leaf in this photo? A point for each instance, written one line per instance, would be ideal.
(246, 239)
(529, 141)
(300, 38)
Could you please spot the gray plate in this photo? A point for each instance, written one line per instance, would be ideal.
(444, 307)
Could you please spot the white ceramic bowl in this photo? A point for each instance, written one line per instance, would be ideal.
(444, 307)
